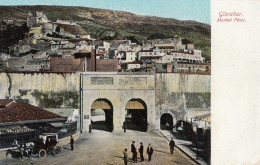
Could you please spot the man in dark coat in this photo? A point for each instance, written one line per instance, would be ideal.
(47, 144)
(71, 143)
(133, 150)
(172, 144)
(149, 152)
(141, 150)
(124, 126)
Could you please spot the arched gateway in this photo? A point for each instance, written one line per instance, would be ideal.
(136, 115)
(113, 95)
(102, 115)
(166, 121)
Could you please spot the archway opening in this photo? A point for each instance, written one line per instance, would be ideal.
(136, 115)
(102, 115)
(166, 122)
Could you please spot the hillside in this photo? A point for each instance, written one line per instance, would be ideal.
(108, 24)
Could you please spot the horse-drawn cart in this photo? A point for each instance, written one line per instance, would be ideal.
(47, 143)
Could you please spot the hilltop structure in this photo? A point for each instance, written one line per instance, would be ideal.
(34, 19)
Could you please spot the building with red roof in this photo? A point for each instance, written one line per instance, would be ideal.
(24, 122)
(21, 113)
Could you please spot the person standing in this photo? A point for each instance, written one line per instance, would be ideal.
(90, 128)
(71, 143)
(149, 152)
(47, 144)
(135, 156)
(141, 151)
(21, 151)
(124, 126)
(172, 144)
(125, 156)
(133, 150)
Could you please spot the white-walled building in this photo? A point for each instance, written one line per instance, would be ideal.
(125, 56)
(131, 65)
(155, 52)
(183, 56)
(101, 45)
(86, 45)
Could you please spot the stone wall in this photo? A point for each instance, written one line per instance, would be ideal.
(46, 90)
(179, 93)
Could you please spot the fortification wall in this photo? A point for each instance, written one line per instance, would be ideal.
(46, 90)
(178, 93)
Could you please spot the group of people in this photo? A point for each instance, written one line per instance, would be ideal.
(149, 151)
(24, 151)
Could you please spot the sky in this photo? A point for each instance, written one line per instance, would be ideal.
(198, 10)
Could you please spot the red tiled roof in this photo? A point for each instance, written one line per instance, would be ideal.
(17, 112)
(4, 102)
(102, 65)
(66, 65)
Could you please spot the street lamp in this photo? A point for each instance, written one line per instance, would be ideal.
(195, 130)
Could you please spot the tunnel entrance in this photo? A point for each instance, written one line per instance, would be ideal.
(166, 122)
(136, 115)
(102, 115)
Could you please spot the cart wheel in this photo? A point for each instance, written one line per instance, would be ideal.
(57, 150)
(42, 153)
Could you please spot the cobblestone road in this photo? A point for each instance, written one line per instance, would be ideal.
(101, 148)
